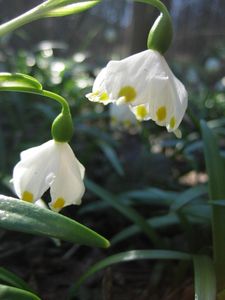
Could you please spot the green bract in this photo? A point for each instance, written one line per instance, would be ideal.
(161, 33)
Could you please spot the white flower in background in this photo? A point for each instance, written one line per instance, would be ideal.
(121, 116)
(146, 84)
(51, 165)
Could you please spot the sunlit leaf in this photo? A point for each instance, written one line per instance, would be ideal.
(18, 82)
(12, 293)
(25, 217)
(126, 257)
(205, 279)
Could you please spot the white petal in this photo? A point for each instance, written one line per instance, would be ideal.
(121, 115)
(99, 93)
(68, 187)
(32, 172)
(144, 80)
(135, 71)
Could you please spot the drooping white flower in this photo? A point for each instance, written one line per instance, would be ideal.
(51, 165)
(146, 84)
(121, 116)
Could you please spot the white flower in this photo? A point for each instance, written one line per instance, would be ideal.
(121, 116)
(51, 165)
(146, 84)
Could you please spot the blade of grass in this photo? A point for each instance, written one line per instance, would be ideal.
(156, 223)
(126, 257)
(126, 211)
(187, 196)
(112, 157)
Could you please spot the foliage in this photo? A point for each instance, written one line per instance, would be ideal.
(145, 189)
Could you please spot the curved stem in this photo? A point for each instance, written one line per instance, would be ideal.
(58, 98)
(156, 3)
(161, 33)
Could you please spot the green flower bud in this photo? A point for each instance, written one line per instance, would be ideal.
(62, 127)
(161, 33)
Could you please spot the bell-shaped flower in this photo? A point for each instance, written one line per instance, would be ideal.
(121, 117)
(51, 165)
(146, 84)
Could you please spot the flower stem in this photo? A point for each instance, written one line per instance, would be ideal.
(161, 33)
(29, 16)
(56, 97)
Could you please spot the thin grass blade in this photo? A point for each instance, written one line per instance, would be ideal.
(126, 257)
(126, 211)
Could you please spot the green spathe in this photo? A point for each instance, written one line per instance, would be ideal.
(62, 127)
(161, 33)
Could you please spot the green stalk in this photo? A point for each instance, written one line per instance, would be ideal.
(29, 16)
(40, 11)
(161, 33)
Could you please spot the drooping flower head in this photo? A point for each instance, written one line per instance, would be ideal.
(51, 165)
(121, 117)
(146, 84)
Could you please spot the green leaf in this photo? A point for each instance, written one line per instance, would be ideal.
(126, 211)
(11, 279)
(216, 172)
(25, 217)
(126, 257)
(152, 196)
(214, 163)
(205, 279)
(217, 202)
(12, 293)
(156, 223)
(112, 157)
(187, 196)
(18, 82)
(74, 8)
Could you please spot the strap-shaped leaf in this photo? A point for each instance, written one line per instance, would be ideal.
(25, 217)
(70, 9)
(127, 211)
(18, 82)
(205, 279)
(13, 280)
(12, 293)
(216, 171)
(125, 257)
